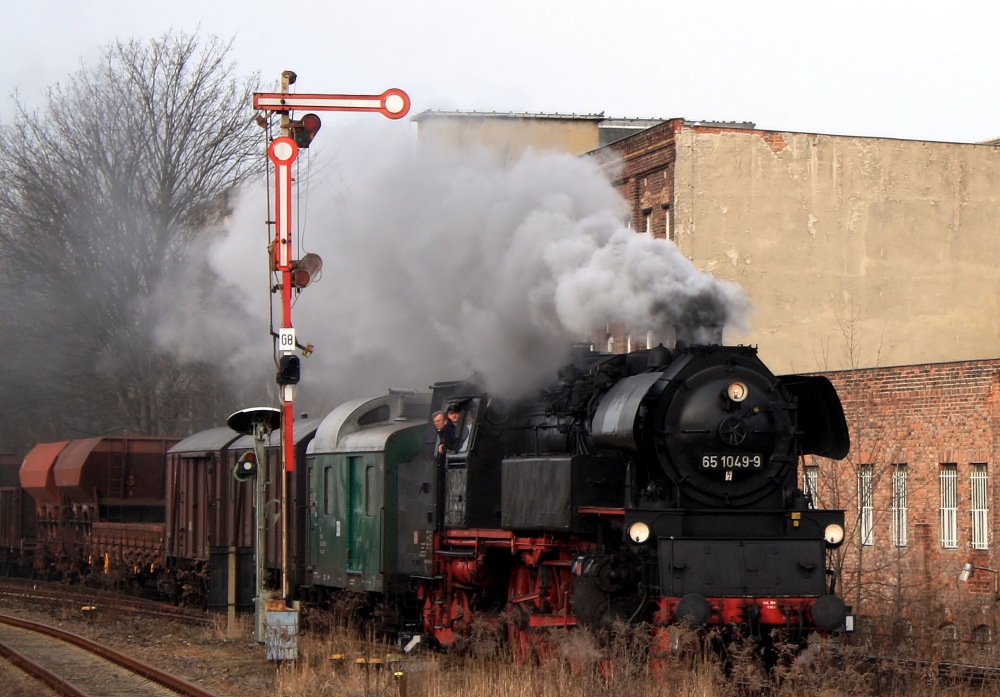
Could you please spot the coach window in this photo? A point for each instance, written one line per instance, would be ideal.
(371, 500)
(328, 491)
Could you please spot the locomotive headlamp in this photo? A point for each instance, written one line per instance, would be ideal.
(834, 534)
(737, 391)
(638, 532)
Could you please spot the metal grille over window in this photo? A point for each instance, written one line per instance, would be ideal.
(865, 523)
(812, 484)
(899, 505)
(980, 507)
(949, 506)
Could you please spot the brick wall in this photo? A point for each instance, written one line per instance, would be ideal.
(642, 169)
(922, 416)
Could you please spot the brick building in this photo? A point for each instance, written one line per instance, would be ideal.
(918, 484)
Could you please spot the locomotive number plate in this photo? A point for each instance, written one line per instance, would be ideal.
(728, 462)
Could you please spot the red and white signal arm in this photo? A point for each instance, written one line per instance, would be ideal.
(393, 103)
(282, 152)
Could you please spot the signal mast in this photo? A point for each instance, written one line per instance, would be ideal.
(297, 273)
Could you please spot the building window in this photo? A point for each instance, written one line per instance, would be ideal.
(628, 344)
(949, 506)
(611, 344)
(649, 223)
(668, 231)
(980, 507)
(899, 473)
(811, 477)
(649, 340)
(865, 511)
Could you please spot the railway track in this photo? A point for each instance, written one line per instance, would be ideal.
(74, 666)
(98, 601)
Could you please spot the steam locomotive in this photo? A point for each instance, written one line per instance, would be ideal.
(658, 486)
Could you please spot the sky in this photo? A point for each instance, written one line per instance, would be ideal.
(886, 69)
(913, 70)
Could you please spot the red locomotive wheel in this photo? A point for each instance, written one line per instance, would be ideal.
(520, 634)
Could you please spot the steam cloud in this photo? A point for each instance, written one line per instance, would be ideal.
(438, 264)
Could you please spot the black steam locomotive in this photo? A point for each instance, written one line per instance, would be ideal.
(657, 486)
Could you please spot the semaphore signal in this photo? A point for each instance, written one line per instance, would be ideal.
(297, 273)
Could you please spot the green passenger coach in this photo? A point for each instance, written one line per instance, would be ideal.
(354, 466)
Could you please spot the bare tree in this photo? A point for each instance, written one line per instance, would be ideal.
(879, 573)
(109, 192)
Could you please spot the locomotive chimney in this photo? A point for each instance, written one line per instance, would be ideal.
(659, 357)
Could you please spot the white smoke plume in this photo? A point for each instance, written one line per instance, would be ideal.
(438, 264)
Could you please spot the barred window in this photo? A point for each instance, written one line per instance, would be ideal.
(949, 506)
(899, 512)
(811, 483)
(865, 511)
(980, 507)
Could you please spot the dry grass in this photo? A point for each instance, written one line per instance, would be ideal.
(573, 664)
(618, 663)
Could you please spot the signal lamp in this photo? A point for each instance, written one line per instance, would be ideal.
(288, 370)
(305, 129)
(246, 467)
(306, 269)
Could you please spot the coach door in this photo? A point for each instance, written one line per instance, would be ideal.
(364, 543)
(356, 508)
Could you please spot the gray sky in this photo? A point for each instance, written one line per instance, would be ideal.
(915, 69)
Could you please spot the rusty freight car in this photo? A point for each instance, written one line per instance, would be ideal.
(99, 504)
(18, 520)
(210, 513)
